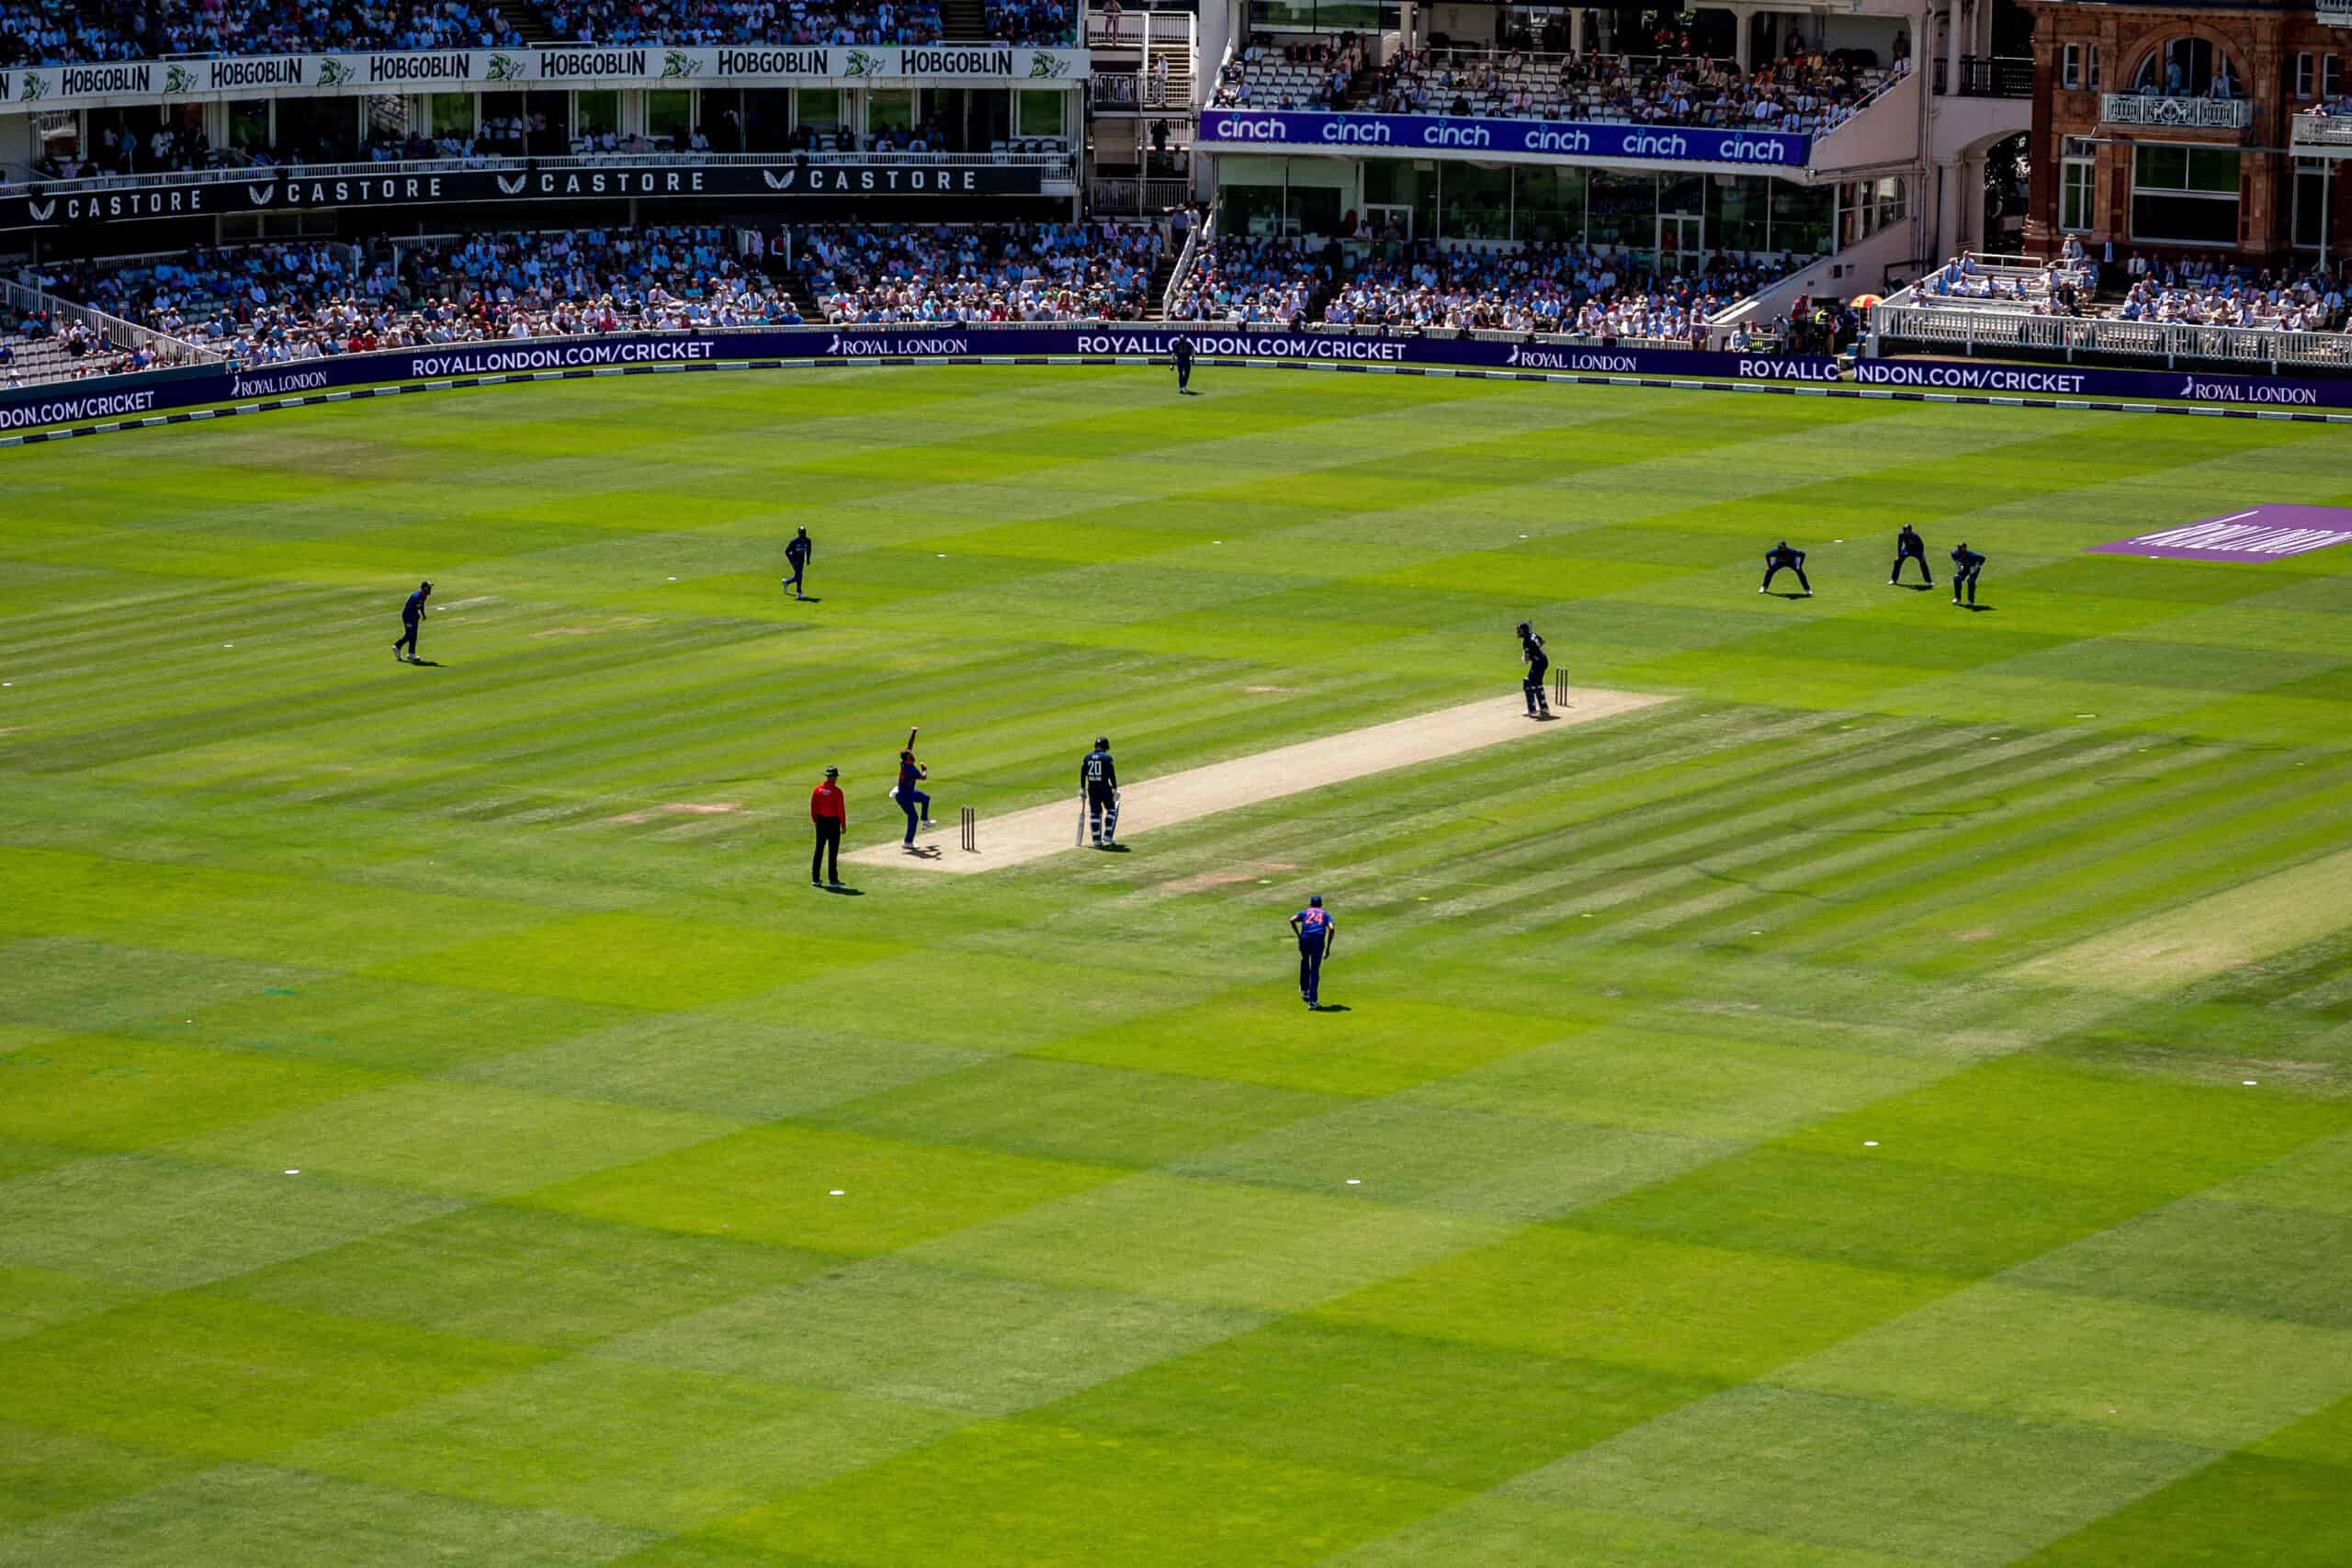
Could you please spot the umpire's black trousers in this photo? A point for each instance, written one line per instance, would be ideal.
(828, 847)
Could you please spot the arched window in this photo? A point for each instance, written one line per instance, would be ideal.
(2189, 68)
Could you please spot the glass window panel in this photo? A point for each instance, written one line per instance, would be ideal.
(1622, 210)
(2194, 220)
(1476, 203)
(596, 113)
(891, 108)
(1737, 211)
(1249, 209)
(249, 124)
(1550, 204)
(449, 114)
(820, 109)
(2213, 168)
(1800, 218)
(2160, 167)
(670, 114)
(1041, 113)
(1394, 181)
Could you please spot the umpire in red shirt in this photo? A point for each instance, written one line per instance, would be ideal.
(829, 812)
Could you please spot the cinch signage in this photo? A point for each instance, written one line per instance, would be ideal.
(1242, 130)
(141, 81)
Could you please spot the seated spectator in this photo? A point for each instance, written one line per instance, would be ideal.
(872, 273)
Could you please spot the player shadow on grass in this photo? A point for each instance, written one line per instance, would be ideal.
(1333, 1007)
(1974, 608)
(1785, 593)
(422, 663)
(846, 892)
(811, 599)
(921, 852)
(1918, 587)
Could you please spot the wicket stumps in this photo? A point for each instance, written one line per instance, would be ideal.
(1559, 688)
(971, 825)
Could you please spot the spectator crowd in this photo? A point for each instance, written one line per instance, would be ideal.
(274, 304)
(52, 32)
(2186, 290)
(870, 274)
(1807, 92)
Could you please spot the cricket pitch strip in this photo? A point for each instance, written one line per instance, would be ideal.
(1021, 836)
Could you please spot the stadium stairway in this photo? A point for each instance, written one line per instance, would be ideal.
(1153, 304)
(964, 21)
(531, 20)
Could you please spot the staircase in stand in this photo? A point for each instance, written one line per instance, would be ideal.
(529, 17)
(1160, 278)
(964, 21)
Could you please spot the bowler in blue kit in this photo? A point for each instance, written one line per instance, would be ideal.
(1314, 927)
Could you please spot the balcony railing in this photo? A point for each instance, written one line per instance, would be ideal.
(2335, 13)
(2332, 133)
(1990, 75)
(1906, 320)
(2175, 114)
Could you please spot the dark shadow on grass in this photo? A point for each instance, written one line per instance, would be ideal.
(1331, 1006)
(1975, 609)
(423, 663)
(1785, 593)
(921, 852)
(1186, 392)
(846, 892)
(1918, 587)
(1112, 849)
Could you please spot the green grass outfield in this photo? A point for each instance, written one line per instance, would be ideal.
(1805, 1123)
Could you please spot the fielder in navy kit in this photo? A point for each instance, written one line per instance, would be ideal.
(1314, 929)
(411, 618)
(795, 555)
(910, 793)
(1967, 566)
(1908, 545)
(1098, 781)
(1183, 352)
(1530, 685)
(1780, 559)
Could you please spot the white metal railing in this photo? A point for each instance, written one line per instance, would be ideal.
(1124, 193)
(1905, 318)
(1131, 29)
(114, 329)
(2333, 12)
(1195, 235)
(2331, 130)
(2175, 114)
(390, 167)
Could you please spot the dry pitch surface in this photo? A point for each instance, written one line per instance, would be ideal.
(1021, 836)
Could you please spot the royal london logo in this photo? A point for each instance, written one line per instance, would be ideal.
(677, 63)
(1046, 65)
(335, 73)
(178, 79)
(506, 68)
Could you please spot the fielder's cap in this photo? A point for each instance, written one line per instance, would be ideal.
(833, 772)
(1103, 742)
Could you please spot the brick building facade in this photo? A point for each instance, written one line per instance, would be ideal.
(2174, 129)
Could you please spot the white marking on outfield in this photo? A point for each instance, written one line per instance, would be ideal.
(1042, 831)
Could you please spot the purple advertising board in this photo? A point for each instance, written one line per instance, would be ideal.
(1245, 130)
(130, 398)
(2263, 532)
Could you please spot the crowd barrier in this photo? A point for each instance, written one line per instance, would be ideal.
(120, 398)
